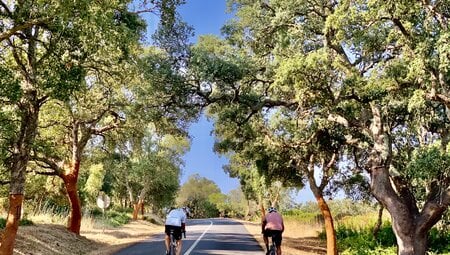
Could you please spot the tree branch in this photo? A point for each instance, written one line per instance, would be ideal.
(30, 23)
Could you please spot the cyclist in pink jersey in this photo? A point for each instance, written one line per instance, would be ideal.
(273, 225)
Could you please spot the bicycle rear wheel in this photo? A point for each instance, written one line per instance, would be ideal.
(273, 250)
(273, 247)
(173, 246)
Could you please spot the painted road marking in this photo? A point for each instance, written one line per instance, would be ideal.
(198, 239)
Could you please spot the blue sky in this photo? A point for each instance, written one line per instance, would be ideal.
(207, 17)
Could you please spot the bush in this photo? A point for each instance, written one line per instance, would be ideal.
(117, 219)
(26, 222)
(23, 222)
(361, 241)
(438, 241)
(303, 217)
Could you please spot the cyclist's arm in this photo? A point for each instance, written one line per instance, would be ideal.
(263, 225)
(183, 223)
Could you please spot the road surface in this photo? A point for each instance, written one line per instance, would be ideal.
(205, 236)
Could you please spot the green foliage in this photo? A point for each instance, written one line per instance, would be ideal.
(117, 219)
(111, 217)
(9, 86)
(428, 164)
(26, 222)
(438, 241)
(362, 241)
(195, 194)
(301, 216)
(94, 182)
(22, 222)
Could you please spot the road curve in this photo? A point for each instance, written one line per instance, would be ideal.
(204, 236)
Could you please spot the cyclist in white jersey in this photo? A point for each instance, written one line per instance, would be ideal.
(176, 220)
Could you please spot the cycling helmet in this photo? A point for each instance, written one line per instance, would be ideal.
(272, 209)
(186, 210)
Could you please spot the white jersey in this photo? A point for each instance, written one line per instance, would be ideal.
(176, 217)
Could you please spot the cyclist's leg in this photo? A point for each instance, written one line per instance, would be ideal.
(278, 250)
(177, 235)
(179, 246)
(167, 237)
(278, 238)
(266, 239)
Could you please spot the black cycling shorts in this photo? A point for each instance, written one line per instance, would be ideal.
(277, 237)
(176, 231)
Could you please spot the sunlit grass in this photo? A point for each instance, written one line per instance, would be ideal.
(361, 221)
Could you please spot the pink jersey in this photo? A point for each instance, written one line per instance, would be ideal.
(274, 221)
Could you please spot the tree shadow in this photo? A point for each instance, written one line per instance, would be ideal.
(307, 244)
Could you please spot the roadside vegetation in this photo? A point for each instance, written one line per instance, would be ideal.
(355, 223)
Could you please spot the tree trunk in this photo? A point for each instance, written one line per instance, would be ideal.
(136, 210)
(247, 213)
(142, 210)
(29, 109)
(377, 227)
(323, 206)
(71, 185)
(329, 226)
(262, 209)
(139, 205)
(12, 224)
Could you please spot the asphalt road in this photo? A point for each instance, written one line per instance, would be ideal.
(206, 236)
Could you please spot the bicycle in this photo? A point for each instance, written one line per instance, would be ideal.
(173, 242)
(273, 247)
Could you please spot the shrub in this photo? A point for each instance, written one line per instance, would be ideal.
(361, 240)
(2, 223)
(438, 241)
(117, 219)
(22, 222)
(26, 222)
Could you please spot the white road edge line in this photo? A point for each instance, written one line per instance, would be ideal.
(198, 239)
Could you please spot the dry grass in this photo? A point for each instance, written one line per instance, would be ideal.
(52, 238)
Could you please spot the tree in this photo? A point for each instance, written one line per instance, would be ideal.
(157, 171)
(352, 77)
(115, 92)
(195, 194)
(42, 57)
(265, 125)
(95, 108)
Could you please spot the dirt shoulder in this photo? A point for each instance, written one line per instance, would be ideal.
(48, 239)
